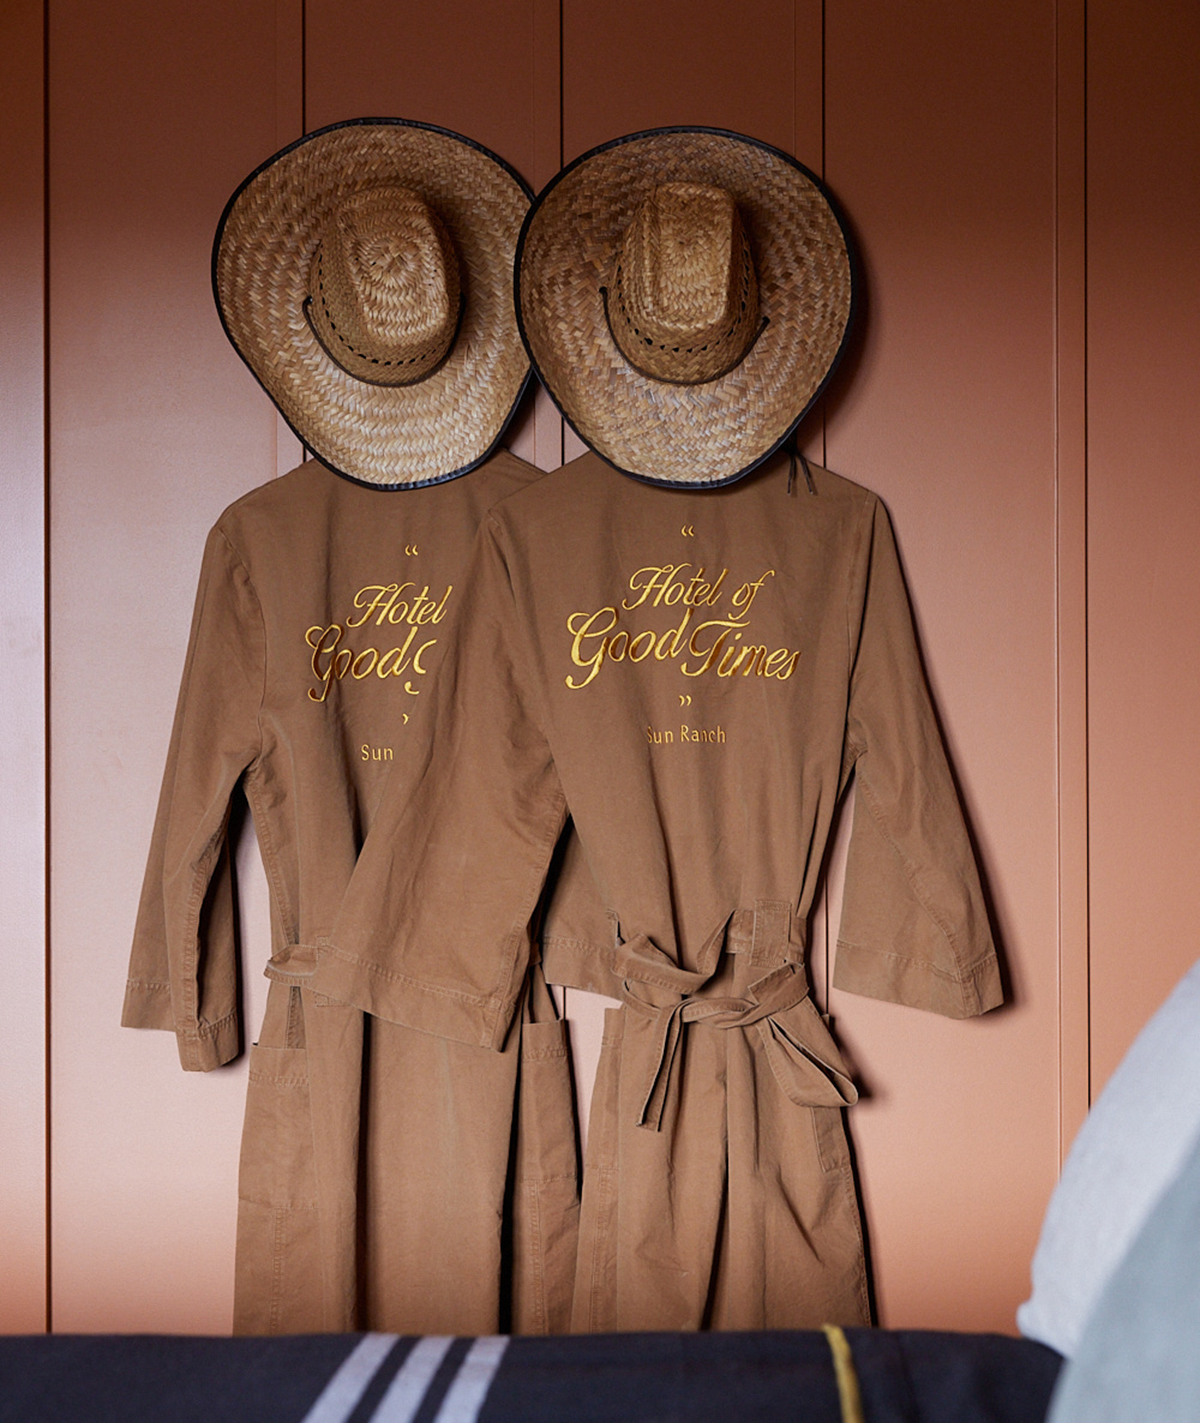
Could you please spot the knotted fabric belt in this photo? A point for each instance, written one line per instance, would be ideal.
(802, 1055)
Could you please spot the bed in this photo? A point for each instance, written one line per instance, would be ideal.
(902, 1377)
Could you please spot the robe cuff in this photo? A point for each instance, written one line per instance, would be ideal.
(476, 1019)
(877, 973)
(147, 1005)
(203, 1046)
(578, 963)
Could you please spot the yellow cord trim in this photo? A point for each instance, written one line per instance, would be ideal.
(847, 1380)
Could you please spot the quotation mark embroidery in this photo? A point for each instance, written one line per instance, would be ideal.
(688, 531)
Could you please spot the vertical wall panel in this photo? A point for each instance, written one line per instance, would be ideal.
(629, 66)
(289, 126)
(460, 64)
(156, 113)
(1070, 432)
(487, 71)
(1143, 510)
(541, 439)
(940, 143)
(22, 666)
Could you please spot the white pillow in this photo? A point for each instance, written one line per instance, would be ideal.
(1137, 1361)
(1129, 1149)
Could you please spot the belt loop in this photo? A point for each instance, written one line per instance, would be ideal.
(772, 930)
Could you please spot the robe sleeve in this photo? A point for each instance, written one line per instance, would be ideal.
(183, 970)
(914, 926)
(434, 931)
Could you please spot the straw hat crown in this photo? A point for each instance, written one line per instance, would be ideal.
(384, 288)
(684, 305)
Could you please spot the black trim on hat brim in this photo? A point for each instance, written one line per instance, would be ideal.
(412, 483)
(228, 208)
(855, 279)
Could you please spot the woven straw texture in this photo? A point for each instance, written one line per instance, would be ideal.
(384, 435)
(384, 289)
(682, 302)
(683, 434)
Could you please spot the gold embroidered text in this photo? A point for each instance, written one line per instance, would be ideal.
(697, 642)
(386, 603)
(380, 605)
(696, 735)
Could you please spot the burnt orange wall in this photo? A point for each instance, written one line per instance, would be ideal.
(1143, 512)
(945, 161)
(22, 670)
(1023, 185)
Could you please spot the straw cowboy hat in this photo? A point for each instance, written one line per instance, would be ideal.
(364, 274)
(684, 294)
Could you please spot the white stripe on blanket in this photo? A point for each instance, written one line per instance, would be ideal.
(340, 1396)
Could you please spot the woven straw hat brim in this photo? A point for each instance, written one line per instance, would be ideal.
(386, 436)
(709, 434)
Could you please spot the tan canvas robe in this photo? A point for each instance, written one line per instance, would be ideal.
(695, 675)
(375, 1159)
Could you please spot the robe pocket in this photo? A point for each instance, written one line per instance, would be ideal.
(547, 1103)
(277, 1167)
(546, 1197)
(829, 1130)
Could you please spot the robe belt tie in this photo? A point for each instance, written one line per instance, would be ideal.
(803, 1057)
